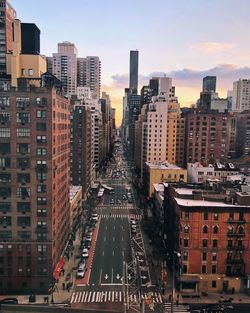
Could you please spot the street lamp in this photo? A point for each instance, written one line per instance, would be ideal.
(173, 279)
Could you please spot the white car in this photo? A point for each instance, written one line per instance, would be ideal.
(80, 271)
(94, 217)
(85, 253)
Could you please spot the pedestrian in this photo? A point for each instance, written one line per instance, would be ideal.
(63, 286)
(63, 271)
(177, 301)
(169, 298)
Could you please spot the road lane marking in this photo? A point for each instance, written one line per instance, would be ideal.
(112, 276)
(113, 296)
(98, 296)
(122, 238)
(105, 296)
(109, 296)
(104, 239)
(114, 227)
(100, 279)
(72, 298)
(93, 296)
(113, 238)
(89, 297)
(113, 252)
(122, 253)
(85, 298)
(103, 253)
(83, 294)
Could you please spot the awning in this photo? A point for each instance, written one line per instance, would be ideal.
(58, 268)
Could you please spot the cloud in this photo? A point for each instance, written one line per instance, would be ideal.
(213, 47)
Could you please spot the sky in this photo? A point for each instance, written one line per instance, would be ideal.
(186, 39)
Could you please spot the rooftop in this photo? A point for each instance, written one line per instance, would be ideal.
(163, 166)
(204, 203)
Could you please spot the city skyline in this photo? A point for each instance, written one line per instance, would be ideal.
(216, 47)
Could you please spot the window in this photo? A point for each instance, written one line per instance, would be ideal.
(185, 241)
(23, 148)
(4, 132)
(184, 269)
(204, 243)
(22, 103)
(215, 243)
(4, 117)
(23, 207)
(5, 192)
(22, 117)
(214, 283)
(204, 256)
(41, 113)
(23, 192)
(22, 72)
(23, 178)
(5, 220)
(41, 200)
(41, 126)
(5, 206)
(5, 177)
(185, 256)
(41, 151)
(23, 221)
(186, 229)
(41, 139)
(41, 188)
(41, 176)
(214, 269)
(230, 243)
(204, 269)
(215, 229)
(23, 132)
(186, 216)
(4, 162)
(4, 147)
(4, 101)
(216, 216)
(30, 72)
(24, 235)
(41, 248)
(231, 216)
(214, 256)
(205, 216)
(205, 229)
(5, 234)
(23, 163)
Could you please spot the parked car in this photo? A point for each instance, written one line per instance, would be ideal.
(81, 270)
(85, 253)
(94, 217)
(118, 201)
(9, 301)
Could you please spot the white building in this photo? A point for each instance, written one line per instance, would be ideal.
(241, 95)
(197, 173)
(83, 93)
(65, 66)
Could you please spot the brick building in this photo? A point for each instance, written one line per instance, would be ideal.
(210, 136)
(211, 231)
(34, 186)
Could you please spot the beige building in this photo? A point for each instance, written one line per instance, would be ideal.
(163, 173)
(20, 65)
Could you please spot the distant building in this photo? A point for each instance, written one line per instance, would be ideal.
(76, 210)
(209, 84)
(30, 34)
(133, 71)
(162, 173)
(65, 66)
(241, 95)
(208, 92)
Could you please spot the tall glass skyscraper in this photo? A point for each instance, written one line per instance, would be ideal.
(133, 74)
(209, 83)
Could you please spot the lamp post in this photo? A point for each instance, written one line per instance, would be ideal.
(173, 279)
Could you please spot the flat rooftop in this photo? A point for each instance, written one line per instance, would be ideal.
(204, 203)
(163, 166)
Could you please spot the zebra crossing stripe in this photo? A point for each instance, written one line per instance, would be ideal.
(83, 294)
(113, 296)
(86, 297)
(109, 295)
(120, 296)
(93, 296)
(105, 296)
(89, 297)
(72, 298)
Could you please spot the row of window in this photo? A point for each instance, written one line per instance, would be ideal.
(186, 215)
(204, 243)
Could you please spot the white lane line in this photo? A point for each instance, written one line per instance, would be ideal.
(89, 297)
(113, 238)
(109, 296)
(83, 294)
(122, 238)
(103, 253)
(76, 298)
(105, 296)
(114, 227)
(106, 227)
(113, 296)
(100, 279)
(104, 239)
(122, 253)
(86, 296)
(72, 298)
(93, 296)
(98, 296)
(120, 296)
(113, 252)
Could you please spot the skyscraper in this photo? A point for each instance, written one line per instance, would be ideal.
(209, 84)
(65, 66)
(133, 73)
(241, 95)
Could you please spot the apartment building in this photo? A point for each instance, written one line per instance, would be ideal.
(34, 186)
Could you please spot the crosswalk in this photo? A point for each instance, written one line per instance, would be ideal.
(136, 216)
(110, 296)
(115, 206)
(180, 308)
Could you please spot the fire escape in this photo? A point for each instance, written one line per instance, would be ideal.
(235, 248)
